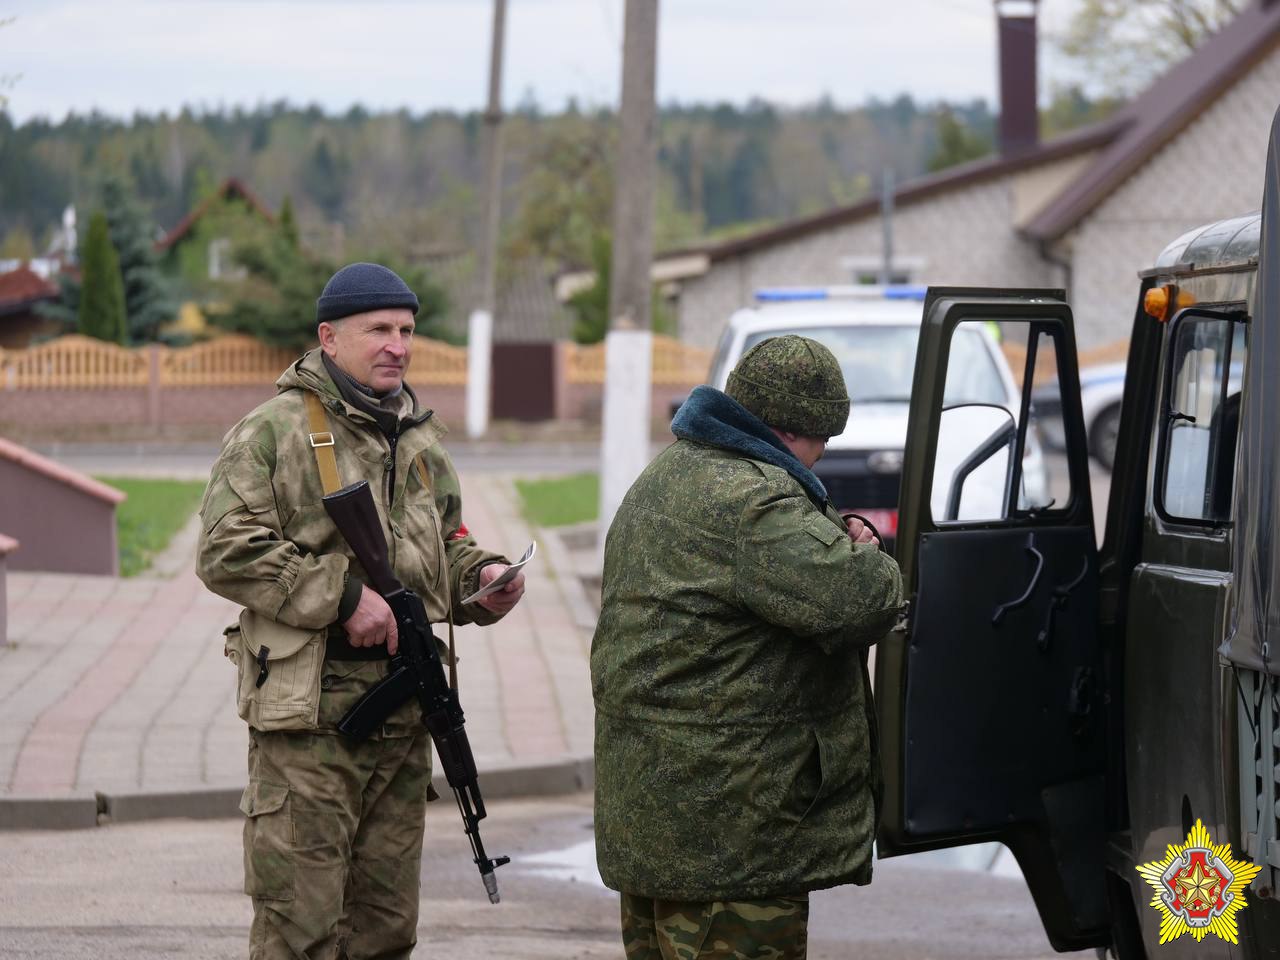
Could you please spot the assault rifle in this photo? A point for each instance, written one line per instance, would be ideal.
(416, 671)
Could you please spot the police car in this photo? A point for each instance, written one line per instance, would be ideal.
(873, 332)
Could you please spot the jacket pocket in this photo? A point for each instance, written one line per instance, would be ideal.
(841, 760)
(279, 673)
(269, 867)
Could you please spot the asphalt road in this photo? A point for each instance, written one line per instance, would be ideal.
(172, 889)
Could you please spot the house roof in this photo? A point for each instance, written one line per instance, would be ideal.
(23, 287)
(230, 188)
(56, 471)
(1078, 141)
(1165, 109)
(1124, 141)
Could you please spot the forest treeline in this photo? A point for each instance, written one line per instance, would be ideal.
(408, 182)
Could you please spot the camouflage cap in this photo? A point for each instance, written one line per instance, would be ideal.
(794, 384)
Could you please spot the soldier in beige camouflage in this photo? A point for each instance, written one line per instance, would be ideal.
(333, 829)
(736, 758)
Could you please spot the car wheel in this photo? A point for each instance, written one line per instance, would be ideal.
(1102, 436)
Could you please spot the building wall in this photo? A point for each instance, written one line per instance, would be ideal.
(964, 236)
(62, 529)
(1212, 170)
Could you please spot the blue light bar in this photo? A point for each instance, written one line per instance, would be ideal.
(905, 292)
(784, 294)
(841, 292)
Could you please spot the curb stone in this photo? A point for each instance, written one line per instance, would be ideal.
(79, 811)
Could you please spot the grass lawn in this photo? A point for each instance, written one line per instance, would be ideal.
(154, 512)
(557, 501)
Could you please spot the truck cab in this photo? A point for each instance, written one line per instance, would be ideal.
(1086, 705)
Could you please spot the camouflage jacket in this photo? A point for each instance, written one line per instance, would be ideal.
(735, 745)
(267, 543)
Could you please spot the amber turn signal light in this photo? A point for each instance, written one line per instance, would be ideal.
(1160, 302)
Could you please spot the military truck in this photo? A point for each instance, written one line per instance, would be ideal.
(1087, 705)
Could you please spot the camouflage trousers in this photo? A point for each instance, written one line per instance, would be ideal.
(774, 929)
(333, 844)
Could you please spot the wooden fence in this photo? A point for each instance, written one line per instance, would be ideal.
(78, 362)
(74, 362)
(673, 363)
(1047, 361)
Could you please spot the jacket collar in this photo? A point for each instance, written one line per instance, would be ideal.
(308, 373)
(713, 417)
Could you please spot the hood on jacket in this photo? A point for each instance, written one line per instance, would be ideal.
(713, 417)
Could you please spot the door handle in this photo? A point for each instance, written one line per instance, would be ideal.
(1061, 594)
(1004, 608)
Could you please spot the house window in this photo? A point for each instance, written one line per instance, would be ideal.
(221, 264)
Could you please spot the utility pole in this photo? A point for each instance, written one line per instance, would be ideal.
(886, 226)
(480, 323)
(629, 344)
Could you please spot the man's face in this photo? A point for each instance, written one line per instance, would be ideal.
(371, 347)
(808, 450)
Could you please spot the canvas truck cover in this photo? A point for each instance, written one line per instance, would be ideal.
(1253, 639)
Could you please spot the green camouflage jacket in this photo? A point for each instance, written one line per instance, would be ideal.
(267, 543)
(735, 746)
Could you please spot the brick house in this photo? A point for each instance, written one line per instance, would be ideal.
(22, 291)
(1084, 211)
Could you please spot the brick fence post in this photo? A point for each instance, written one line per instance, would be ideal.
(153, 385)
(7, 546)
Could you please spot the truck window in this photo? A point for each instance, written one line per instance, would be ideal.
(1201, 421)
(981, 452)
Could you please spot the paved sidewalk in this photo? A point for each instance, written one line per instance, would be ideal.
(117, 690)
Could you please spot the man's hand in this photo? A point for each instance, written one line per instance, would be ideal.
(859, 532)
(501, 601)
(373, 623)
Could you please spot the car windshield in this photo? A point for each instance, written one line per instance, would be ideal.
(878, 362)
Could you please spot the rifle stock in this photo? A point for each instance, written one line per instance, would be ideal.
(353, 512)
(416, 670)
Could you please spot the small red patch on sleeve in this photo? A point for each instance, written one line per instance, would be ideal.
(461, 533)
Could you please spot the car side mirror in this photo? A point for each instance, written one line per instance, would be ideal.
(972, 462)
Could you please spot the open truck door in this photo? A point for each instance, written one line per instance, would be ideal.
(990, 694)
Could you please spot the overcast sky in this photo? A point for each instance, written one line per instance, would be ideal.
(122, 56)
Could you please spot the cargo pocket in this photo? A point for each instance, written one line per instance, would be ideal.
(268, 840)
(279, 681)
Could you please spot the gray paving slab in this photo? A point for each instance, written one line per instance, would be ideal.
(116, 703)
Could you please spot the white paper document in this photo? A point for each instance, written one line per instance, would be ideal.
(507, 576)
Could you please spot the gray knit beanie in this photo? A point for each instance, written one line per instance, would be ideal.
(361, 287)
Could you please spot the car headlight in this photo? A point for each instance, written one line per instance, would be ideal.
(885, 461)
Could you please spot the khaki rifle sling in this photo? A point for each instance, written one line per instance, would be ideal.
(322, 439)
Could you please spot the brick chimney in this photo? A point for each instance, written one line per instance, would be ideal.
(1019, 118)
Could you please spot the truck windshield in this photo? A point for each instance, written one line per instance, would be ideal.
(878, 362)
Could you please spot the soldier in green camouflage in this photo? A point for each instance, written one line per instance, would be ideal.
(333, 829)
(736, 764)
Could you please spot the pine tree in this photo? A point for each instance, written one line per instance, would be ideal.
(288, 223)
(102, 310)
(149, 300)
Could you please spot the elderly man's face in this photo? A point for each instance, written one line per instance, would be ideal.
(371, 347)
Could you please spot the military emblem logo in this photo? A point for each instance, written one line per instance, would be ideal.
(1199, 888)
